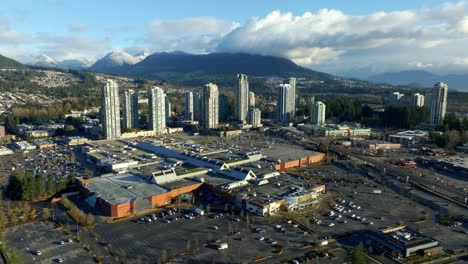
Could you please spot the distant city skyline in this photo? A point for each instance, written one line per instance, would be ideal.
(330, 36)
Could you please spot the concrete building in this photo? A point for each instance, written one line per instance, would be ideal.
(284, 107)
(223, 107)
(418, 100)
(438, 103)
(255, 117)
(292, 97)
(168, 109)
(317, 113)
(110, 110)
(197, 106)
(395, 98)
(157, 110)
(404, 242)
(251, 99)
(188, 109)
(209, 106)
(130, 109)
(241, 102)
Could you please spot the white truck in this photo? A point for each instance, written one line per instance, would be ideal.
(222, 246)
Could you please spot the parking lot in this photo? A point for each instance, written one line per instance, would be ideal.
(37, 243)
(188, 239)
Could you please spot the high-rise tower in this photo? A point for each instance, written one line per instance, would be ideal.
(241, 103)
(110, 110)
(209, 106)
(157, 110)
(438, 103)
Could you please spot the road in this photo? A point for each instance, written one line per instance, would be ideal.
(460, 196)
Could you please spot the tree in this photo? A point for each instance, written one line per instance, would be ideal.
(45, 214)
(15, 258)
(89, 219)
(358, 255)
(26, 208)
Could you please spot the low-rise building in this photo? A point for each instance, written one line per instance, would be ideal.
(402, 242)
(376, 144)
(5, 151)
(24, 145)
(38, 133)
(75, 141)
(44, 144)
(409, 137)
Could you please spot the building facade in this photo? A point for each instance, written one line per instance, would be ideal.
(157, 110)
(317, 113)
(168, 109)
(255, 117)
(395, 98)
(110, 110)
(130, 110)
(241, 104)
(283, 107)
(438, 103)
(418, 100)
(223, 107)
(209, 106)
(292, 97)
(188, 109)
(251, 99)
(197, 106)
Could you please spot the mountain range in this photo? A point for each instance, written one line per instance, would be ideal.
(419, 78)
(74, 64)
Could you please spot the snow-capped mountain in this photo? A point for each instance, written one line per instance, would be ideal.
(44, 60)
(114, 60)
(77, 64)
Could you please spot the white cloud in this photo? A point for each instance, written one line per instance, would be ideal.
(338, 41)
(77, 27)
(7, 35)
(196, 34)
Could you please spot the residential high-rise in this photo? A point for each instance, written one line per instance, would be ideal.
(395, 98)
(317, 113)
(188, 109)
(241, 102)
(418, 100)
(209, 106)
(110, 110)
(168, 109)
(438, 103)
(130, 109)
(197, 106)
(157, 110)
(284, 108)
(292, 97)
(251, 99)
(255, 117)
(223, 107)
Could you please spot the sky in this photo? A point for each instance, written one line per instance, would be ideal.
(351, 38)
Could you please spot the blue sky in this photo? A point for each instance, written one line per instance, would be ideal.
(89, 29)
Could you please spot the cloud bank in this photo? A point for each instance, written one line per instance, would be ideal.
(328, 40)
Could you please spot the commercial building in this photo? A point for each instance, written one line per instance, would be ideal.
(127, 194)
(251, 99)
(38, 133)
(157, 110)
(402, 242)
(395, 98)
(438, 103)
(74, 141)
(317, 113)
(376, 145)
(255, 117)
(418, 100)
(110, 110)
(409, 137)
(130, 110)
(188, 109)
(5, 151)
(241, 102)
(44, 144)
(209, 106)
(286, 156)
(24, 145)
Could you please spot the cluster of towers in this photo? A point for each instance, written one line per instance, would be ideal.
(208, 106)
(158, 110)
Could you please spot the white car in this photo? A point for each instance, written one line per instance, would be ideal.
(331, 224)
